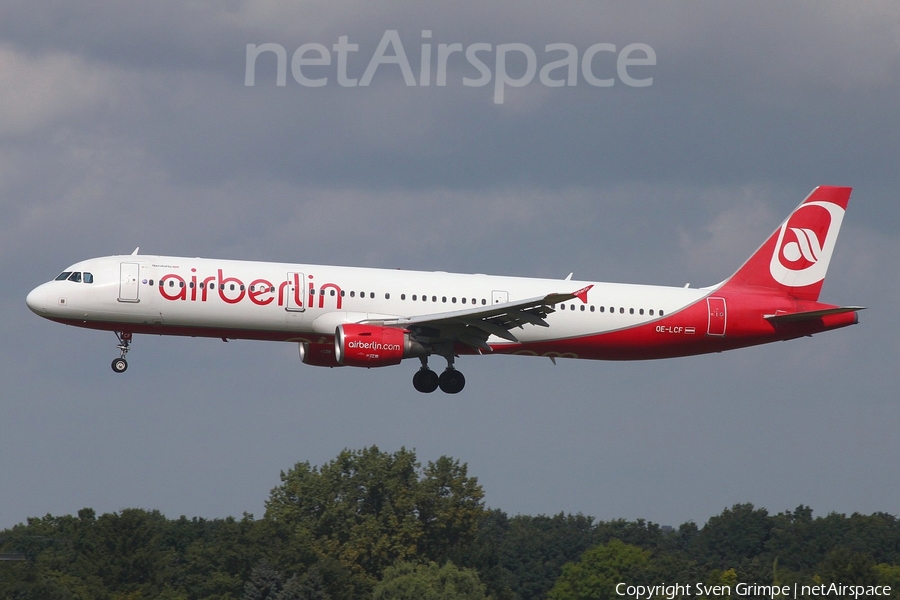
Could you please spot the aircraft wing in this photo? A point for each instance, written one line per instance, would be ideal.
(474, 326)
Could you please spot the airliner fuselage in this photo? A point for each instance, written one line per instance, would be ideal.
(376, 317)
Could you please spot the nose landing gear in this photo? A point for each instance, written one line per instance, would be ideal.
(120, 364)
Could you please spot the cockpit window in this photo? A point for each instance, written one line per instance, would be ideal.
(63, 276)
(88, 277)
(75, 276)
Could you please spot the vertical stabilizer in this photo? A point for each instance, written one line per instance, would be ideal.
(794, 260)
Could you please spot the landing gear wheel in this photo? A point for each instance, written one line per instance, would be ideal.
(425, 380)
(120, 364)
(452, 381)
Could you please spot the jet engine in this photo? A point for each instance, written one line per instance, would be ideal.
(374, 346)
(318, 355)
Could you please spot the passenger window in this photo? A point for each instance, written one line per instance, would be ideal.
(180, 284)
(582, 308)
(333, 292)
(372, 295)
(76, 277)
(463, 300)
(444, 299)
(63, 276)
(387, 296)
(641, 311)
(660, 313)
(353, 294)
(592, 308)
(651, 312)
(630, 311)
(415, 297)
(172, 283)
(453, 300)
(403, 296)
(602, 309)
(88, 278)
(621, 310)
(434, 298)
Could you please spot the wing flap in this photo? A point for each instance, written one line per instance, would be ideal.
(474, 326)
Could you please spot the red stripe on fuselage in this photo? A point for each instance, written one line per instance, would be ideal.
(682, 333)
(685, 333)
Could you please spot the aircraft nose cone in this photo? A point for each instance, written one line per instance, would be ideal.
(37, 300)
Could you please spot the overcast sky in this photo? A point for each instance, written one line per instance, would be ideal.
(125, 126)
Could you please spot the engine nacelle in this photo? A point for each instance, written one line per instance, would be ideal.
(318, 355)
(374, 346)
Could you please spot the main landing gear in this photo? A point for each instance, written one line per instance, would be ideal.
(450, 381)
(120, 364)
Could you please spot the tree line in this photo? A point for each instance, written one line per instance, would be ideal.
(376, 525)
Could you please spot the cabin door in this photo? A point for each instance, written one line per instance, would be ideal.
(716, 308)
(128, 282)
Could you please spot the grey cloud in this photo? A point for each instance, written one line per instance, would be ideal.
(132, 126)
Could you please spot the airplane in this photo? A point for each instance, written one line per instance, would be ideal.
(365, 317)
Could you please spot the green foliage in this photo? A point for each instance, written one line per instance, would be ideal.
(370, 509)
(521, 557)
(130, 554)
(595, 576)
(736, 536)
(376, 524)
(409, 581)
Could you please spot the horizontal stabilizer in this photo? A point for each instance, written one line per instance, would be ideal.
(810, 314)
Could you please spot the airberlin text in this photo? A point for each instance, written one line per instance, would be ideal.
(750, 590)
(357, 345)
(290, 292)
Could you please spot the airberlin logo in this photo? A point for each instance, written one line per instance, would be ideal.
(357, 345)
(292, 292)
(805, 243)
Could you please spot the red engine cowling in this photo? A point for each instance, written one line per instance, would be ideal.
(373, 346)
(318, 355)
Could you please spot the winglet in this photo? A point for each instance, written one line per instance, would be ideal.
(582, 293)
(135, 251)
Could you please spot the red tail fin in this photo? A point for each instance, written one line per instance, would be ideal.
(793, 261)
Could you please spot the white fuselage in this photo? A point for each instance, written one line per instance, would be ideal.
(206, 297)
